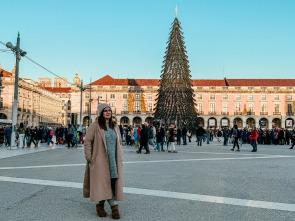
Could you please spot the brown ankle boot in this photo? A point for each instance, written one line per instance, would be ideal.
(100, 210)
(115, 212)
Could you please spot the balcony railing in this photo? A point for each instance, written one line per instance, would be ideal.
(263, 113)
(276, 113)
(124, 112)
(290, 113)
(212, 113)
(137, 112)
(238, 113)
(149, 112)
(250, 113)
(224, 113)
(19, 109)
(200, 113)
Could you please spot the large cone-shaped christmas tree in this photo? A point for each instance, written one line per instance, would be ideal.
(175, 102)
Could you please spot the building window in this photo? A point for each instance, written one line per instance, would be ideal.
(276, 88)
(289, 97)
(212, 88)
(199, 88)
(250, 88)
(224, 97)
(137, 96)
(212, 107)
(238, 107)
(212, 96)
(263, 97)
(251, 107)
(250, 97)
(150, 96)
(238, 97)
(277, 107)
(137, 106)
(125, 96)
(289, 108)
(112, 96)
(276, 97)
(125, 106)
(150, 107)
(225, 107)
(199, 107)
(263, 107)
(200, 97)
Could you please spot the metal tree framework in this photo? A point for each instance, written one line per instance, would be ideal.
(175, 102)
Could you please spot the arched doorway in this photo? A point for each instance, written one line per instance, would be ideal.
(124, 121)
(201, 121)
(137, 120)
(3, 116)
(212, 122)
(250, 122)
(224, 122)
(289, 123)
(263, 123)
(276, 123)
(149, 120)
(85, 121)
(239, 122)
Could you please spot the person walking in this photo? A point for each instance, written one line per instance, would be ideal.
(33, 136)
(293, 139)
(21, 131)
(236, 138)
(253, 138)
(184, 134)
(143, 140)
(104, 156)
(219, 134)
(171, 139)
(200, 133)
(225, 134)
(70, 135)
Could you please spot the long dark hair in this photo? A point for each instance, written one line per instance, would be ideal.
(102, 122)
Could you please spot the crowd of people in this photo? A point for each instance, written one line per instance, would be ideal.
(144, 135)
(26, 136)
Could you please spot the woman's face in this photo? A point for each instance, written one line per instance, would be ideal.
(107, 113)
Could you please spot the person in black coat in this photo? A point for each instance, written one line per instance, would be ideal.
(143, 140)
(200, 133)
(162, 135)
(184, 134)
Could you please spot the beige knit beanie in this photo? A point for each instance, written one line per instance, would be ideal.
(101, 107)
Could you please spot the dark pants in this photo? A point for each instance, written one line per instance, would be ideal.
(145, 145)
(184, 139)
(8, 140)
(236, 143)
(69, 139)
(254, 145)
(225, 141)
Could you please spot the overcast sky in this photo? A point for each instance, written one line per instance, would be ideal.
(127, 38)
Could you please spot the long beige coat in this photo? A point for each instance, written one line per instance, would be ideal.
(97, 181)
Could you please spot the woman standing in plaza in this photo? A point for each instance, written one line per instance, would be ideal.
(103, 152)
(21, 131)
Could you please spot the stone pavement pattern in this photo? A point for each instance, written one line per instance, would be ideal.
(198, 183)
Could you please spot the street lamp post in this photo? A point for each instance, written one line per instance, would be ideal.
(18, 54)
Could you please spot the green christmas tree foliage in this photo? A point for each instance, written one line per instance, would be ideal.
(175, 102)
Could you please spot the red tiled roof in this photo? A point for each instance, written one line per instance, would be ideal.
(58, 89)
(211, 83)
(5, 73)
(108, 80)
(261, 82)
